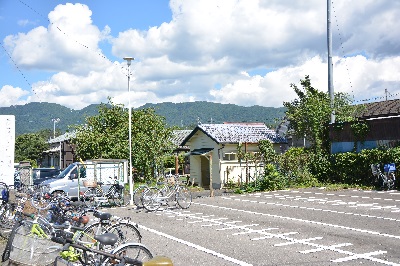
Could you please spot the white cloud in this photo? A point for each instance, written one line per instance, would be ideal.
(208, 50)
(70, 42)
(12, 96)
(354, 77)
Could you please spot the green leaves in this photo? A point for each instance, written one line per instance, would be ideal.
(309, 114)
(30, 146)
(107, 136)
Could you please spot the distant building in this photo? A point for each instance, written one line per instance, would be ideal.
(383, 119)
(213, 151)
(61, 152)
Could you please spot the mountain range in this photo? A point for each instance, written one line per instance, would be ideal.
(36, 116)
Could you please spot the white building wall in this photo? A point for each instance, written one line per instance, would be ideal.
(7, 148)
(233, 170)
(223, 170)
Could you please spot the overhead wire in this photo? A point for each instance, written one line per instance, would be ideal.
(347, 67)
(342, 48)
(68, 36)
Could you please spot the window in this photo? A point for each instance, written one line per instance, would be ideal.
(229, 157)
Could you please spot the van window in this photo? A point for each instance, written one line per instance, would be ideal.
(82, 172)
(74, 173)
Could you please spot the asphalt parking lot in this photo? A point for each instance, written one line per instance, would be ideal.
(293, 227)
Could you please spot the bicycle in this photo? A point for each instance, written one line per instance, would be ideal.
(387, 179)
(128, 254)
(107, 223)
(167, 192)
(33, 236)
(94, 196)
(138, 194)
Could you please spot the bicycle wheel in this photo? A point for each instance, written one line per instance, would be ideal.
(86, 237)
(7, 220)
(127, 232)
(89, 198)
(138, 194)
(184, 197)
(151, 199)
(7, 250)
(40, 203)
(133, 251)
(390, 181)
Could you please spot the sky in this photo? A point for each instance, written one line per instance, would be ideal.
(243, 52)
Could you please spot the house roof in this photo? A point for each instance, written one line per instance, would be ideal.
(237, 132)
(178, 136)
(381, 109)
(62, 138)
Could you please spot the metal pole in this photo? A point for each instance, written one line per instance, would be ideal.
(130, 139)
(330, 65)
(131, 182)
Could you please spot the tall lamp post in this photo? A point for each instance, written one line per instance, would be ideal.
(129, 60)
(55, 120)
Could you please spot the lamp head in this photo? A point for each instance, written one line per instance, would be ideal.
(128, 60)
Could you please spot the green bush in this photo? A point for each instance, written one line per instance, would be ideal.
(272, 179)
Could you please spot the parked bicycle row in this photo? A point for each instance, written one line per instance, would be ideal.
(44, 229)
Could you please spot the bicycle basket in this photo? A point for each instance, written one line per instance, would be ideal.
(390, 167)
(90, 183)
(29, 208)
(31, 250)
(62, 262)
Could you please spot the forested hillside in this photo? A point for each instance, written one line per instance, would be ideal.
(190, 113)
(33, 117)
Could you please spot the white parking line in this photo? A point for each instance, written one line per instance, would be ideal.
(206, 250)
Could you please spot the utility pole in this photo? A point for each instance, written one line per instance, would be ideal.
(330, 65)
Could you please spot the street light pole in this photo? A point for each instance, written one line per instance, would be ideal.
(55, 120)
(131, 182)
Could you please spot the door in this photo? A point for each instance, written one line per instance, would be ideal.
(205, 172)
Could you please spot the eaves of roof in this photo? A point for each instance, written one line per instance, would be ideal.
(236, 133)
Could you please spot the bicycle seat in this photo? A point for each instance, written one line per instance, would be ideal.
(107, 238)
(60, 226)
(100, 183)
(77, 203)
(102, 215)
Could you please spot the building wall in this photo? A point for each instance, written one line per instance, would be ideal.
(224, 170)
(200, 141)
(52, 158)
(382, 132)
(7, 146)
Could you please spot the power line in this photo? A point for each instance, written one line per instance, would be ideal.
(19, 70)
(342, 47)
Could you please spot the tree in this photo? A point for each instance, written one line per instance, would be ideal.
(106, 136)
(309, 114)
(29, 147)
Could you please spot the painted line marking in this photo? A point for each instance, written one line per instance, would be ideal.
(206, 250)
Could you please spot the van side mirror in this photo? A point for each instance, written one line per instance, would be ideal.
(72, 176)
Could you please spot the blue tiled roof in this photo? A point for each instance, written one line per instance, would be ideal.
(240, 132)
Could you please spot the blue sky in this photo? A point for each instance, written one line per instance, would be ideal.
(245, 52)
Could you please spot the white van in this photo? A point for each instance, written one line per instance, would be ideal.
(72, 178)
